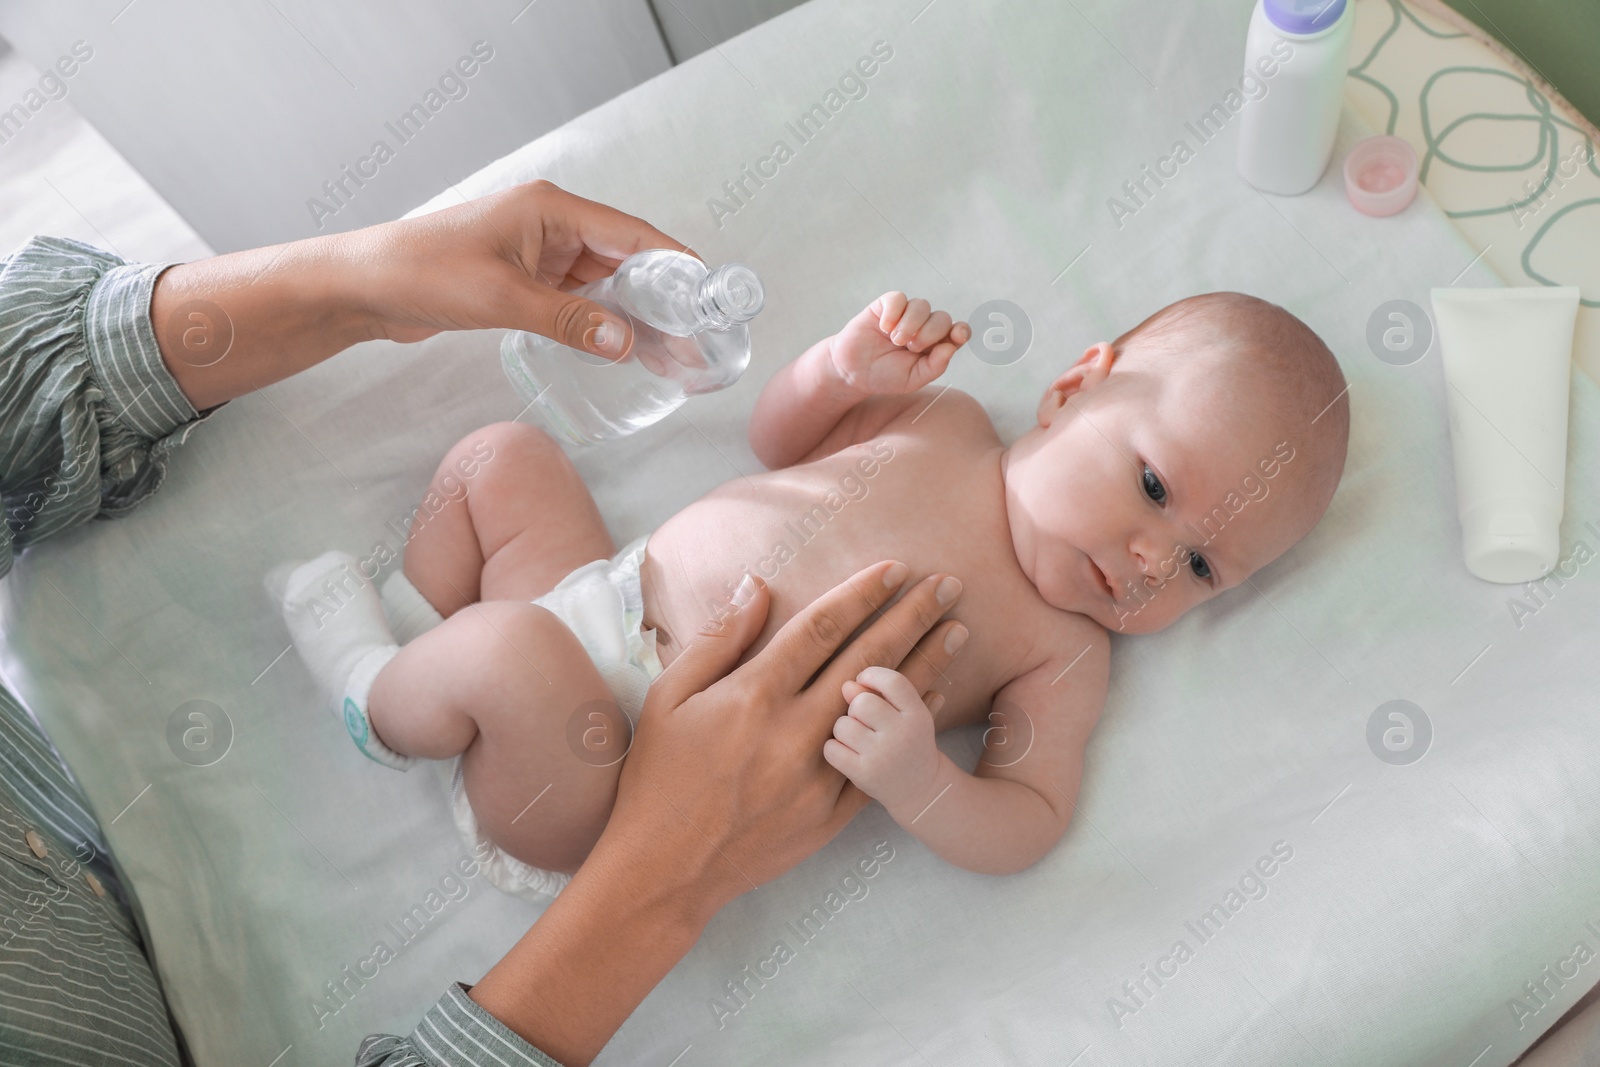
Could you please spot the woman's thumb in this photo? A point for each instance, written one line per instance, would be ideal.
(713, 651)
(578, 322)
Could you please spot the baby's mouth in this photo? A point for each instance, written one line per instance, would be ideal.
(1099, 574)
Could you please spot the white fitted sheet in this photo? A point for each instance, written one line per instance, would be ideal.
(979, 164)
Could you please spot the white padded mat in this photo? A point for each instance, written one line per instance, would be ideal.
(1416, 900)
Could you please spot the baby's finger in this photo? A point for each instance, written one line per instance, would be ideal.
(911, 321)
(941, 355)
(873, 711)
(934, 330)
(890, 306)
(842, 758)
(852, 732)
(933, 363)
(852, 689)
(895, 687)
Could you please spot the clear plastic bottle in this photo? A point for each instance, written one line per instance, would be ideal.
(1299, 49)
(689, 337)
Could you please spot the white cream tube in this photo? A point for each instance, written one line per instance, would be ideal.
(1507, 371)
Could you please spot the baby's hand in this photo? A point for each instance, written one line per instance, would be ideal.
(895, 346)
(885, 744)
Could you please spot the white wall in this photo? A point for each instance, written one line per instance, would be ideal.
(238, 111)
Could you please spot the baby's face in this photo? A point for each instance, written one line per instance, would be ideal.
(1165, 491)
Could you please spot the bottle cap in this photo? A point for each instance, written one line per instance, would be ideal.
(736, 292)
(1380, 175)
(1303, 16)
(1510, 543)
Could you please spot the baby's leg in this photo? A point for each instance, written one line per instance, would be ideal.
(500, 681)
(517, 519)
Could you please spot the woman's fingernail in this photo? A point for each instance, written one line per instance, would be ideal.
(608, 337)
(895, 576)
(955, 639)
(745, 593)
(947, 591)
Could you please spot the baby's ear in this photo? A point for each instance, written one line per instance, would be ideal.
(1091, 369)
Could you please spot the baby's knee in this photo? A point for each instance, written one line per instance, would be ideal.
(503, 451)
(501, 463)
(534, 650)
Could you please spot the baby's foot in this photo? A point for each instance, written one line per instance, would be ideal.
(336, 620)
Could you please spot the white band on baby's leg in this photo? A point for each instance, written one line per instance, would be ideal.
(410, 614)
(354, 711)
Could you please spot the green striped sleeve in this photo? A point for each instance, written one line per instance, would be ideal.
(456, 1032)
(88, 410)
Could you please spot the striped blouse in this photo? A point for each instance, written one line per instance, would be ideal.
(88, 417)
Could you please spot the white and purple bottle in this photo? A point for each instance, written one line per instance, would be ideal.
(1300, 49)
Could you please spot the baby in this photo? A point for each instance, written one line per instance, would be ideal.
(1165, 468)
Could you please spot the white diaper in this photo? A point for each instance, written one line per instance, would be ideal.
(602, 605)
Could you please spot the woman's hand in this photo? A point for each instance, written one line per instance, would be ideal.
(724, 788)
(507, 260)
(730, 770)
(234, 323)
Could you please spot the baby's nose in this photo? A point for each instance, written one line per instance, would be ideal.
(1145, 553)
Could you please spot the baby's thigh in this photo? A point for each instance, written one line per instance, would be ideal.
(542, 773)
(512, 528)
(541, 522)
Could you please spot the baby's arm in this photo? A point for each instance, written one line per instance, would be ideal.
(1016, 806)
(891, 349)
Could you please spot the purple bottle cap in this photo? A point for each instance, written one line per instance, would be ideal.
(1303, 16)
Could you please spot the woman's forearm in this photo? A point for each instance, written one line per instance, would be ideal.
(238, 322)
(593, 956)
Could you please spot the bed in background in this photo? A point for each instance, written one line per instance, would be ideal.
(1408, 904)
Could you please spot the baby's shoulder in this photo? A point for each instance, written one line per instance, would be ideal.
(944, 415)
(1066, 646)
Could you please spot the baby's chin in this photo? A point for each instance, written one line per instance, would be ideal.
(1124, 618)
(1138, 623)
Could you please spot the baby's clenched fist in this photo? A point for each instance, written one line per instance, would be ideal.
(895, 345)
(884, 744)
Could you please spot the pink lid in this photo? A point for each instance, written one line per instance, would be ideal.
(1380, 175)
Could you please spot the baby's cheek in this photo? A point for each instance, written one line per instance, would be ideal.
(1056, 584)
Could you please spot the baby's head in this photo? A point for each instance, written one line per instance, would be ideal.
(1177, 460)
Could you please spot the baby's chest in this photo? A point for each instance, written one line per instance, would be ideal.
(1010, 628)
(805, 530)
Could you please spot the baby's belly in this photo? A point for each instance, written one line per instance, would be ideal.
(786, 528)
(696, 560)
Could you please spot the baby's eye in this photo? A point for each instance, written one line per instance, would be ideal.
(1198, 564)
(1153, 487)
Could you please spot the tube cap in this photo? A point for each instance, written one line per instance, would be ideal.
(1509, 544)
(1380, 175)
